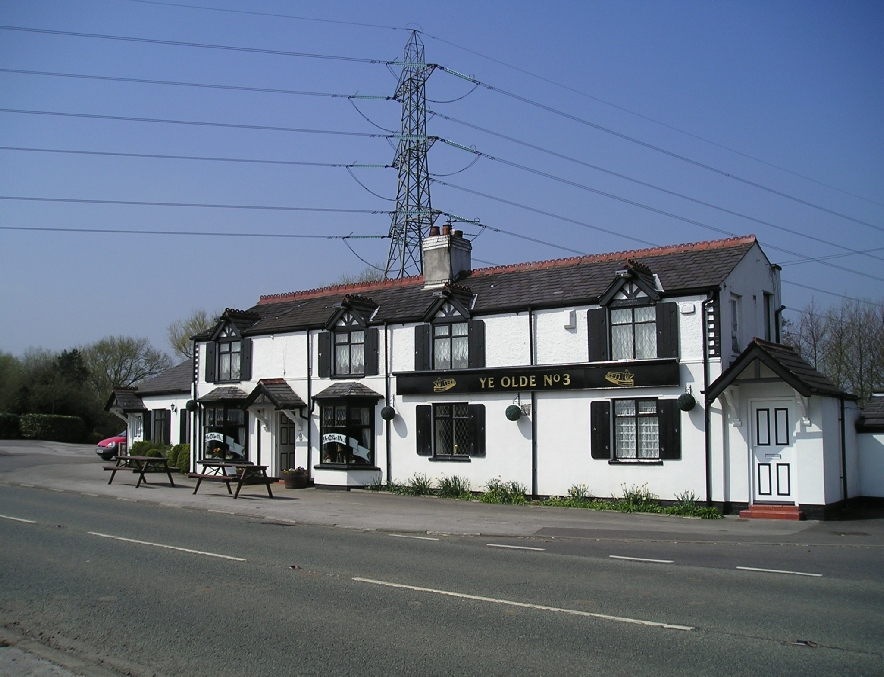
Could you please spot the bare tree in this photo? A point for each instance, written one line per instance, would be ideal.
(845, 342)
(181, 331)
(122, 361)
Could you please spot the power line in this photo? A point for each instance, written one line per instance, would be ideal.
(202, 85)
(655, 210)
(200, 205)
(197, 123)
(633, 180)
(658, 149)
(831, 293)
(159, 156)
(268, 14)
(199, 45)
(199, 233)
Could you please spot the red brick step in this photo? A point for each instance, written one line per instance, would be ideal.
(772, 512)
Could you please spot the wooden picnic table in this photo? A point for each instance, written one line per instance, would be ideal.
(140, 464)
(242, 474)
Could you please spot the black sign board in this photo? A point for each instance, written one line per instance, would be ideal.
(557, 377)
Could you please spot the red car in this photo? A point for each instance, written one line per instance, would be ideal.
(111, 446)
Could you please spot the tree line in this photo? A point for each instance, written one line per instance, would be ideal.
(78, 381)
(845, 342)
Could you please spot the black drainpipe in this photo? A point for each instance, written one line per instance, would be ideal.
(707, 418)
(777, 313)
(531, 358)
(843, 453)
(387, 424)
(309, 410)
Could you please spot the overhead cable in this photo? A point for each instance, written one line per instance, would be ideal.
(159, 156)
(202, 85)
(658, 149)
(200, 233)
(641, 205)
(200, 45)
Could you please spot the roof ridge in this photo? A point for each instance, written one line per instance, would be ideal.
(621, 255)
(347, 288)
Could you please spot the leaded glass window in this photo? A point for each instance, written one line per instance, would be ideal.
(453, 429)
(349, 346)
(636, 429)
(451, 348)
(634, 333)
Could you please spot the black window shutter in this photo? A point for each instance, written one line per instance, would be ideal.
(667, 330)
(424, 421)
(210, 362)
(670, 429)
(597, 321)
(325, 354)
(145, 431)
(477, 416)
(422, 347)
(245, 360)
(600, 429)
(167, 429)
(476, 340)
(371, 351)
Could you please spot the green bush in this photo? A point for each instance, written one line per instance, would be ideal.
(419, 485)
(498, 491)
(50, 427)
(9, 427)
(182, 460)
(94, 438)
(140, 448)
(455, 487)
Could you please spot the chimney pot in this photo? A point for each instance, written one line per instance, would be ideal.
(446, 229)
(458, 233)
(434, 230)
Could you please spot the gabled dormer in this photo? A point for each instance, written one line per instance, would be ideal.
(228, 351)
(348, 347)
(449, 338)
(632, 322)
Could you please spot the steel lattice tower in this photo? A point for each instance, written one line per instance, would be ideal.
(414, 214)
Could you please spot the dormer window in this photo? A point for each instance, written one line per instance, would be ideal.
(228, 356)
(349, 346)
(349, 349)
(632, 322)
(450, 341)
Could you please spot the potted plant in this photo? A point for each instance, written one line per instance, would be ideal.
(295, 478)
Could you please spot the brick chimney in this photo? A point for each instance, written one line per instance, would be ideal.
(447, 256)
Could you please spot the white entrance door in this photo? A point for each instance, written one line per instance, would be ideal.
(773, 461)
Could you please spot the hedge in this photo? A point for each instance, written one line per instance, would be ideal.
(50, 427)
(9, 426)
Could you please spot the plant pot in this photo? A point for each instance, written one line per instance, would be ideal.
(295, 480)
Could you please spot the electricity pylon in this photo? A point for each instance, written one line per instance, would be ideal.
(414, 215)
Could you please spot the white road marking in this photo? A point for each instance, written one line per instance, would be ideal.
(419, 538)
(83, 493)
(524, 605)
(780, 571)
(17, 519)
(513, 547)
(642, 559)
(169, 547)
(223, 512)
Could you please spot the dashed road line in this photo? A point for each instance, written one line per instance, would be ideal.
(525, 605)
(513, 547)
(417, 538)
(642, 559)
(17, 519)
(779, 571)
(168, 547)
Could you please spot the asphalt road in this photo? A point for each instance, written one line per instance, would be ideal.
(150, 589)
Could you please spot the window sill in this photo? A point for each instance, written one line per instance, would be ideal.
(346, 376)
(344, 466)
(448, 459)
(631, 461)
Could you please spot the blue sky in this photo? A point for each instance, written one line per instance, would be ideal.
(785, 95)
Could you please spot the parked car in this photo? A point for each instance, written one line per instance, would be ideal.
(109, 448)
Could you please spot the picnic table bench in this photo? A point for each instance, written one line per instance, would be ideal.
(140, 464)
(242, 474)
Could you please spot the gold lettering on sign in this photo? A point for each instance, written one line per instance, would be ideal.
(440, 385)
(621, 378)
